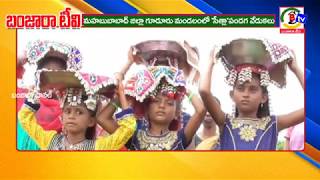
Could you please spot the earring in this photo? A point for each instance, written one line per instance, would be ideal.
(261, 105)
(234, 110)
(270, 102)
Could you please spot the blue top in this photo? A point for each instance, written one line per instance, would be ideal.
(249, 134)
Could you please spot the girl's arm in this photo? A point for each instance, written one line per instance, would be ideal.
(196, 119)
(293, 66)
(298, 116)
(291, 119)
(132, 57)
(105, 117)
(287, 139)
(127, 126)
(27, 118)
(209, 101)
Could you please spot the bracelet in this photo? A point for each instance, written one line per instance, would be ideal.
(114, 104)
(33, 97)
(190, 96)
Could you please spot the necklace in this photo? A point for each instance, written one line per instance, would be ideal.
(162, 142)
(76, 146)
(248, 127)
(162, 133)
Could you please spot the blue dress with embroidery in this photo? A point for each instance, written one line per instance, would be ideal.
(249, 134)
(172, 140)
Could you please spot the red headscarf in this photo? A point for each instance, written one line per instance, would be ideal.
(49, 114)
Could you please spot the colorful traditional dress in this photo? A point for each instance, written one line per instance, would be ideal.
(148, 83)
(143, 140)
(24, 141)
(49, 114)
(249, 134)
(242, 58)
(51, 140)
(48, 117)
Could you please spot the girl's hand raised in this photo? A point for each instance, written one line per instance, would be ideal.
(122, 97)
(212, 58)
(132, 55)
(292, 64)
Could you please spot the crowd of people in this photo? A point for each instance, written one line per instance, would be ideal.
(144, 111)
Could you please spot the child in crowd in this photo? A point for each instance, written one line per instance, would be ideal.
(251, 64)
(51, 56)
(78, 119)
(159, 90)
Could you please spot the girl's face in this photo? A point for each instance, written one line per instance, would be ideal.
(162, 109)
(76, 119)
(208, 121)
(248, 96)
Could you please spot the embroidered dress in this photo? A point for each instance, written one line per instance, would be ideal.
(37, 50)
(249, 134)
(242, 58)
(147, 83)
(172, 140)
(24, 141)
(48, 117)
(51, 140)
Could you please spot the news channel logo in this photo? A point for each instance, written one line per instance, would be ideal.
(292, 18)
